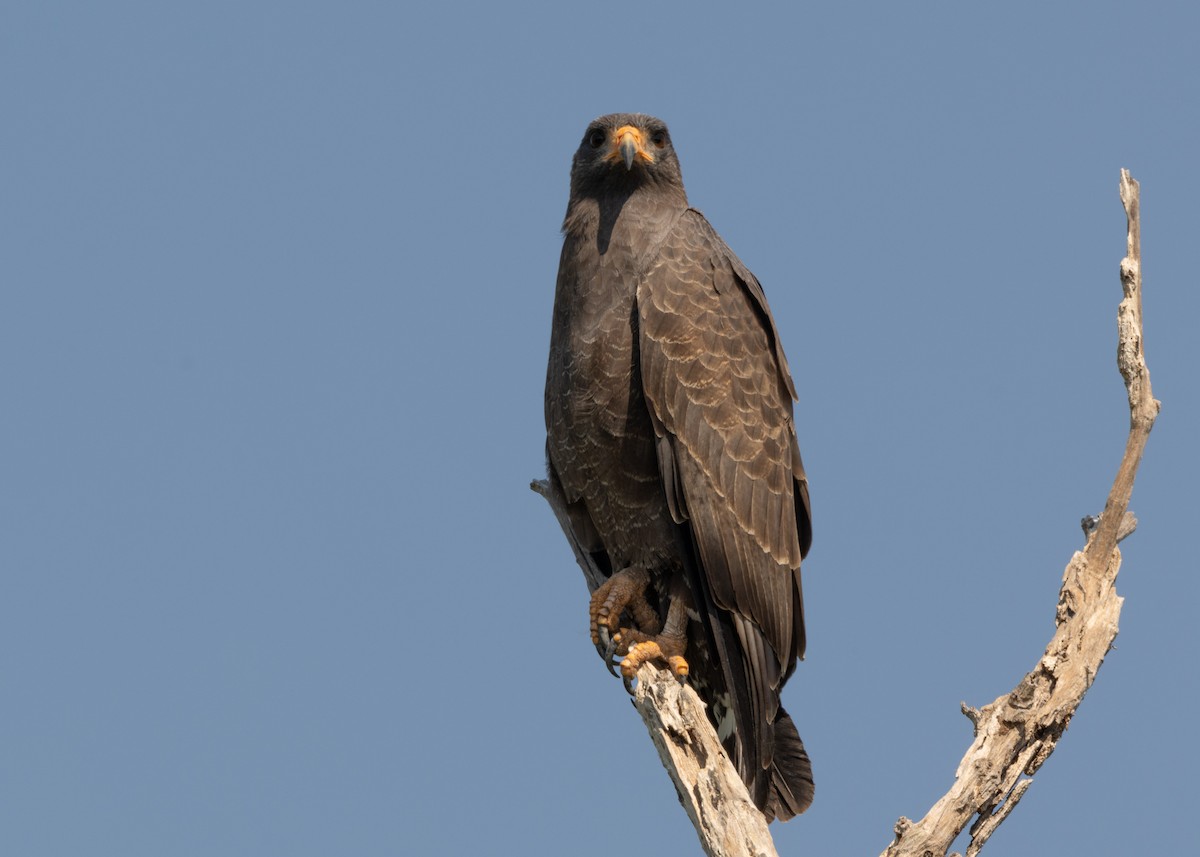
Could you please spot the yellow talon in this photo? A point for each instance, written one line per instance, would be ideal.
(638, 655)
(650, 651)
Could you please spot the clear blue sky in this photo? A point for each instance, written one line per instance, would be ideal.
(276, 295)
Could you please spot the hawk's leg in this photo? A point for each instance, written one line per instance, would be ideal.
(651, 639)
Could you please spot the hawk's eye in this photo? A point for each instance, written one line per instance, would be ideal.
(596, 138)
(659, 139)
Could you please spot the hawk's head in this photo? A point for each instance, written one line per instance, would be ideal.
(621, 152)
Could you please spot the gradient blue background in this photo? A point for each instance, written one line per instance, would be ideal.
(276, 294)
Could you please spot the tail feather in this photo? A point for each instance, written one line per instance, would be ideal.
(792, 787)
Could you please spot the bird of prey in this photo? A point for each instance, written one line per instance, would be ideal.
(670, 438)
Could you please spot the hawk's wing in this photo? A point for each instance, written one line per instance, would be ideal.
(720, 397)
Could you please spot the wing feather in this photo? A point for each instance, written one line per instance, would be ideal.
(718, 388)
(716, 381)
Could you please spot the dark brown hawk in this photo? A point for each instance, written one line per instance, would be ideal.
(670, 437)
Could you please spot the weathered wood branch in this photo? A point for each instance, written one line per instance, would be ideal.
(1016, 733)
(716, 800)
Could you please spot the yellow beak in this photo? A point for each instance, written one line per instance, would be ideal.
(628, 145)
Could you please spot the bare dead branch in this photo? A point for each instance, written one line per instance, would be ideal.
(1016, 733)
(716, 800)
(1131, 361)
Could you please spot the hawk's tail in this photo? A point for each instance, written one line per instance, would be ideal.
(791, 773)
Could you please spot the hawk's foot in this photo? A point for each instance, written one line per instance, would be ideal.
(665, 649)
(624, 592)
(647, 637)
(639, 649)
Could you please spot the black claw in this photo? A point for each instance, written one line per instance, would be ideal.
(610, 660)
(628, 682)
